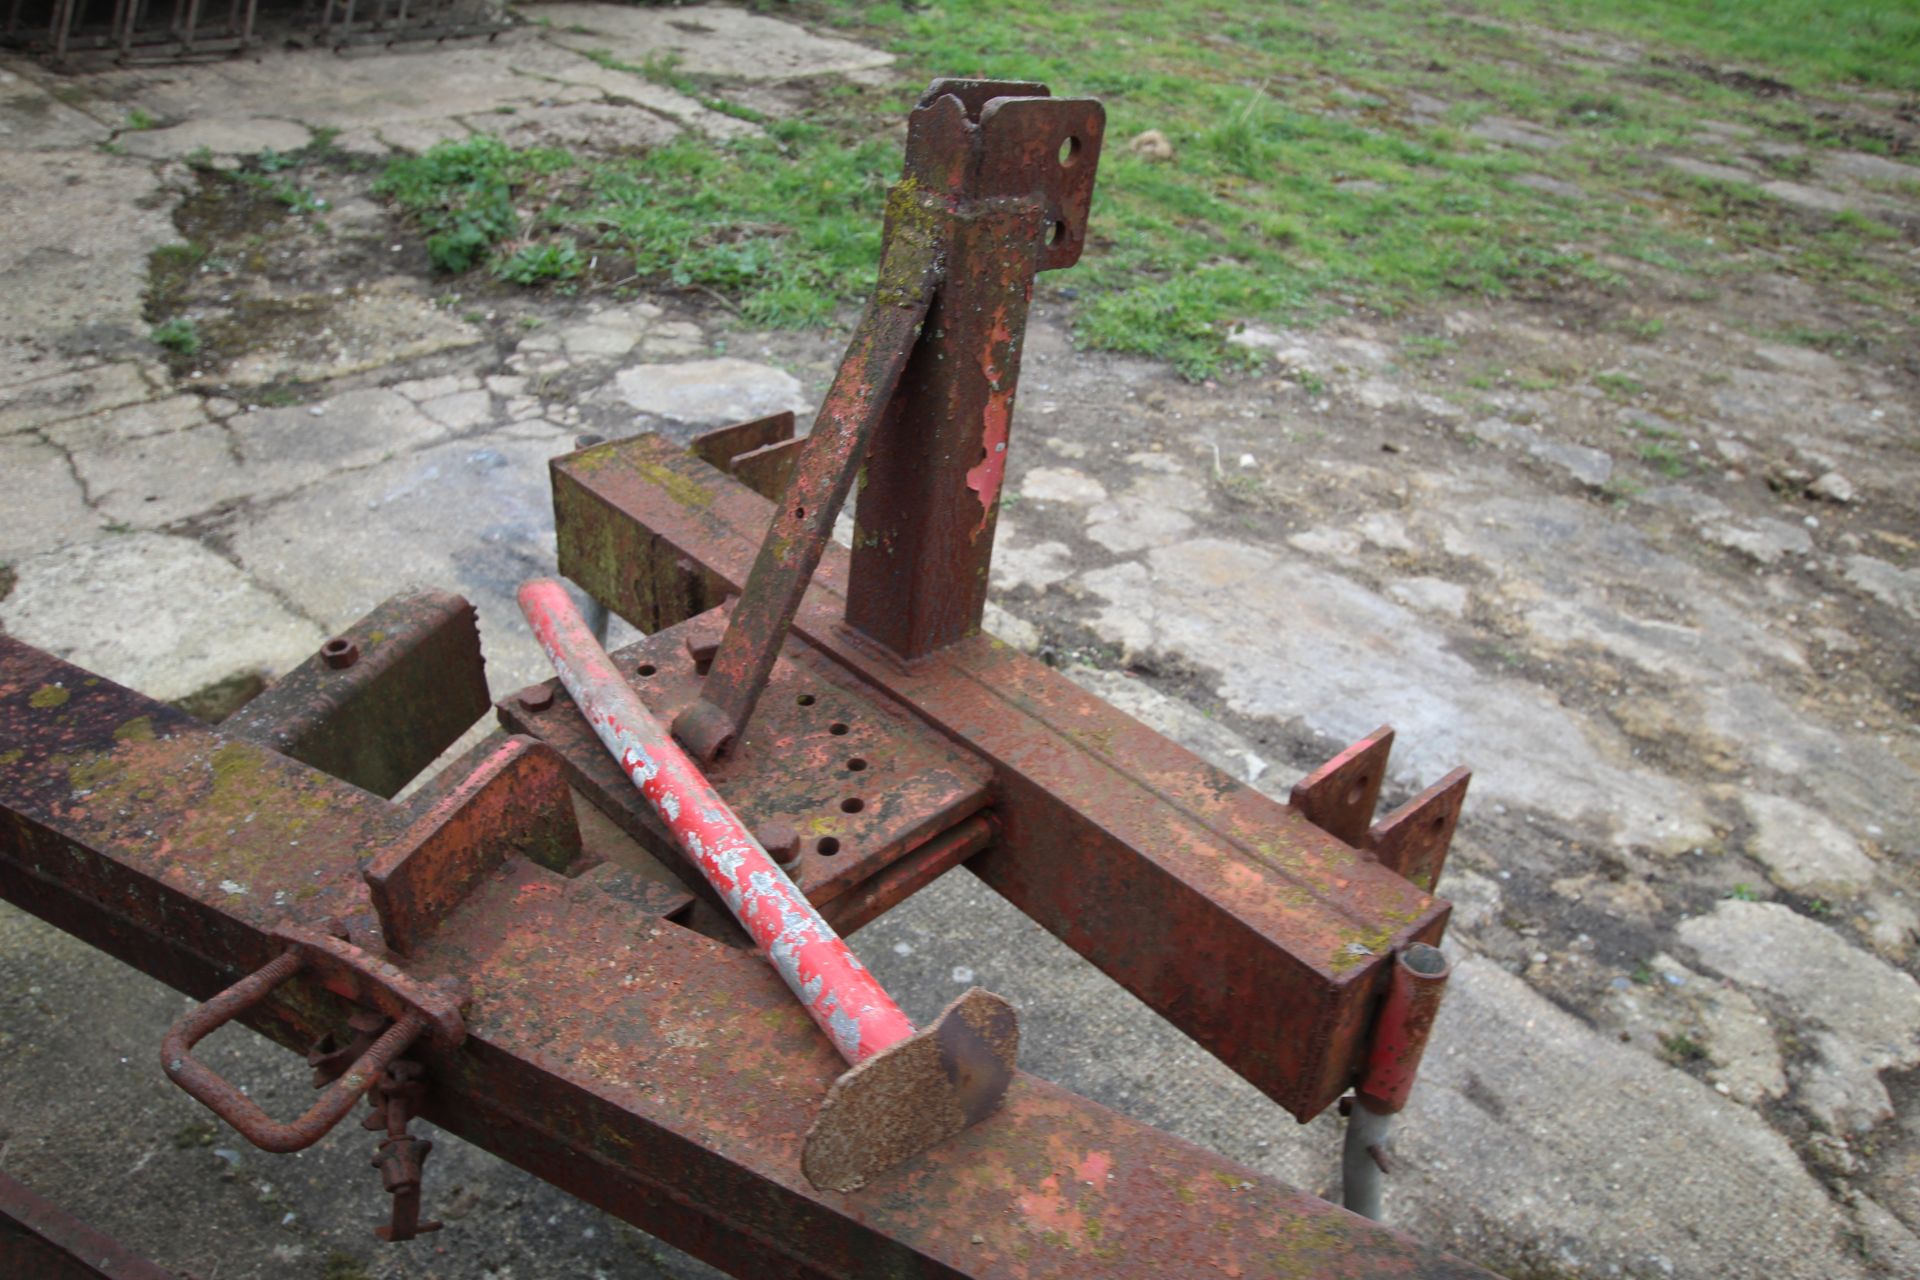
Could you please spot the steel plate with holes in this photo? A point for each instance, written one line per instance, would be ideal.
(861, 782)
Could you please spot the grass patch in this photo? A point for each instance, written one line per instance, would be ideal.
(1680, 1049)
(178, 335)
(1325, 159)
(296, 198)
(1661, 448)
(462, 195)
(1806, 42)
(787, 224)
(536, 264)
(1619, 386)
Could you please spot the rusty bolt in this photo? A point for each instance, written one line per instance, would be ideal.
(701, 646)
(340, 653)
(537, 698)
(780, 840)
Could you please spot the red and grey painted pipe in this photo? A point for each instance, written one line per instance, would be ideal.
(832, 985)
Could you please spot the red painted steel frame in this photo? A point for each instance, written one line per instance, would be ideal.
(661, 1075)
(665, 1075)
(1260, 935)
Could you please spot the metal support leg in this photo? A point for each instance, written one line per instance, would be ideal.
(1363, 1162)
(1400, 1033)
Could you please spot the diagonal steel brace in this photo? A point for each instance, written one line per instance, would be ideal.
(910, 266)
(964, 178)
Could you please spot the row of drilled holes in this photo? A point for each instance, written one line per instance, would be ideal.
(827, 846)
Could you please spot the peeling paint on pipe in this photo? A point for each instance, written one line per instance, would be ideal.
(833, 986)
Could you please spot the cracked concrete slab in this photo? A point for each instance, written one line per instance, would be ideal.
(374, 326)
(80, 224)
(713, 40)
(411, 96)
(708, 393)
(214, 137)
(163, 614)
(473, 516)
(74, 388)
(33, 118)
(1355, 660)
(48, 507)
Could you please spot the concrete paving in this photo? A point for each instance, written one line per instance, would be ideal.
(1683, 1035)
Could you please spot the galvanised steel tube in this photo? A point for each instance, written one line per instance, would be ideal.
(1362, 1160)
(833, 986)
(1400, 1031)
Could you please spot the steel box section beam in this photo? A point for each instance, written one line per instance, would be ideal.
(1261, 936)
(652, 1071)
(1018, 167)
(381, 700)
(39, 1241)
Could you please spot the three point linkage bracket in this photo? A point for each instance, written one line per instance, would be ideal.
(526, 953)
(998, 182)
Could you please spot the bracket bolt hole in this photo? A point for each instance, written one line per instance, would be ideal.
(827, 847)
(645, 669)
(856, 764)
(852, 804)
(1057, 234)
(805, 699)
(1358, 792)
(837, 729)
(1070, 153)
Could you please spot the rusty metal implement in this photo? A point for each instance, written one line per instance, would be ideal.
(581, 998)
(905, 1091)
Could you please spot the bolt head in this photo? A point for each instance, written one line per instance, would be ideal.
(538, 698)
(781, 841)
(340, 653)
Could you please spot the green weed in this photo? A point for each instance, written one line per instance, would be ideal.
(178, 335)
(537, 264)
(1680, 1049)
(296, 198)
(1665, 450)
(462, 195)
(1619, 386)
(1428, 347)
